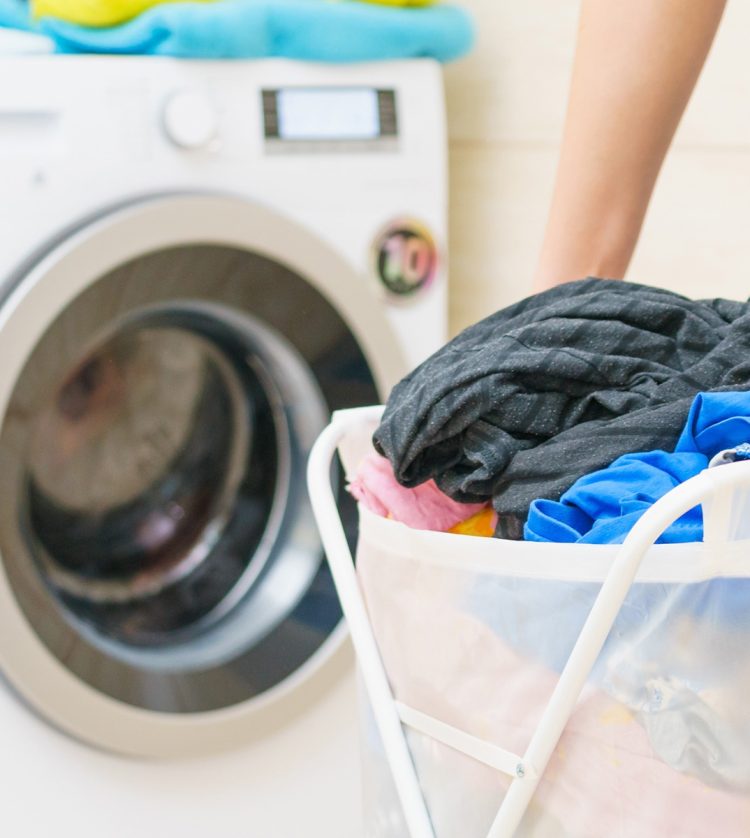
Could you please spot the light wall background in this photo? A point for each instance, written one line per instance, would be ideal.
(506, 105)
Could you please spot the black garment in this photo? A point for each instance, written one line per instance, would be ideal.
(523, 403)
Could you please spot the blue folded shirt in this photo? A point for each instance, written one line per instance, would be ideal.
(602, 507)
(312, 30)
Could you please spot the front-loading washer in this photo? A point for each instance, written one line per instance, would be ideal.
(199, 261)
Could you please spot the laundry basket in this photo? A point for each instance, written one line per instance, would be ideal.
(516, 688)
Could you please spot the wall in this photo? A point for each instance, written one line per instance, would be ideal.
(506, 104)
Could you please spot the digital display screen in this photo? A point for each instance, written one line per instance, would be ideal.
(320, 114)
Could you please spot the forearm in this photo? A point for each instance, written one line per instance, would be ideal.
(636, 65)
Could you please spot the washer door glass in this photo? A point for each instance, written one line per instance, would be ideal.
(157, 533)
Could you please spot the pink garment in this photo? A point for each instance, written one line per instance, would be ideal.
(424, 507)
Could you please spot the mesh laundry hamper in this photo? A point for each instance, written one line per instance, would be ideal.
(516, 688)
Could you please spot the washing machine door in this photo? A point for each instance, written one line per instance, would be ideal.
(165, 372)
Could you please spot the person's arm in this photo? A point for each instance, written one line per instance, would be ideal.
(635, 67)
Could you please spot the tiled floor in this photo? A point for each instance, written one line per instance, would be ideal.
(506, 105)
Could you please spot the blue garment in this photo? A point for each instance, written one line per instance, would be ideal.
(311, 30)
(602, 507)
(14, 14)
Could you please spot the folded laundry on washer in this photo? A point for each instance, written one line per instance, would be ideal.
(94, 12)
(113, 12)
(522, 404)
(14, 14)
(312, 30)
(400, 2)
(601, 508)
(424, 507)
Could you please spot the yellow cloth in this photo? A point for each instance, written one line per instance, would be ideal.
(400, 2)
(483, 523)
(94, 12)
(101, 13)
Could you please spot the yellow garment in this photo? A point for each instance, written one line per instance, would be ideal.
(94, 12)
(400, 2)
(483, 523)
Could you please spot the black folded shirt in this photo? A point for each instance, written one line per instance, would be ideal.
(523, 403)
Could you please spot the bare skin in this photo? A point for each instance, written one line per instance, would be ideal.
(635, 67)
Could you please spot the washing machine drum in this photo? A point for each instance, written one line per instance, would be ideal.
(155, 528)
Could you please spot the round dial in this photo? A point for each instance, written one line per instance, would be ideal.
(189, 119)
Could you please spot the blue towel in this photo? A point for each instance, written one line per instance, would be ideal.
(14, 14)
(311, 30)
(602, 507)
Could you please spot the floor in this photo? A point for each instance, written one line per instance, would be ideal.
(506, 104)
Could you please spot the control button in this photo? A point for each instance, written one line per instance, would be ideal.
(189, 119)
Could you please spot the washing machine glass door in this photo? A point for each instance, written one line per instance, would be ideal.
(155, 529)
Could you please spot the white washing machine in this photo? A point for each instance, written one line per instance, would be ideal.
(198, 262)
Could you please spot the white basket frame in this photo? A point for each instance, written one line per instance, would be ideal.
(712, 489)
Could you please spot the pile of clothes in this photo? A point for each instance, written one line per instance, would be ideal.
(565, 416)
(313, 30)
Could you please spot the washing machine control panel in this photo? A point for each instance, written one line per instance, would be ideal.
(355, 154)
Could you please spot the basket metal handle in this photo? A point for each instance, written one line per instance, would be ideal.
(352, 604)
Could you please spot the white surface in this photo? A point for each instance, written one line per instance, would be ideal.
(54, 787)
(95, 139)
(16, 42)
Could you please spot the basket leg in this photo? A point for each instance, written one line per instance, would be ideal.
(371, 666)
(712, 484)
